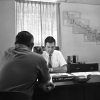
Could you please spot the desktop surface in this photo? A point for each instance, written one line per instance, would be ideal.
(69, 78)
(70, 90)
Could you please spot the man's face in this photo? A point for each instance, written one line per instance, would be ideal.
(49, 47)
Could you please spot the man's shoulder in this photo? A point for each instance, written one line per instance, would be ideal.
(57, 52)
(10, 49)
(33, 54)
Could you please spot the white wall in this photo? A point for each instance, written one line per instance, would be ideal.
(75, 44)
(7, 24)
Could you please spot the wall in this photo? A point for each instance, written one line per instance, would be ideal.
(72, 42)
(7, 24)
(80, 31)
(83, 1)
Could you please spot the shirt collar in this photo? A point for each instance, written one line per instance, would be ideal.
(48, 53)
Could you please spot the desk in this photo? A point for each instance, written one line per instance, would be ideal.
(72, 91)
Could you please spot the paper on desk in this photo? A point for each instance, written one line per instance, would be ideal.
(86, 73)
(60, 74)
(93, 73)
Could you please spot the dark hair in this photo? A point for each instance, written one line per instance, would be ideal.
(24, 37)
(49, 39)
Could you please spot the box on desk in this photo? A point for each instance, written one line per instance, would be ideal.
(82, 67)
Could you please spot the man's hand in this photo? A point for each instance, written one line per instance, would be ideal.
(50, 69)
(48, 86)
(62, 69)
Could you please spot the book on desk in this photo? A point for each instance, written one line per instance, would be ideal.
(61, 77)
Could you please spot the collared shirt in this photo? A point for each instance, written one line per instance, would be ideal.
(20, 68)
(57, 58)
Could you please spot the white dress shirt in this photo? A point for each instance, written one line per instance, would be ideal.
(57, 58)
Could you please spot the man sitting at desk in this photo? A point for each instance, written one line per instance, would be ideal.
(20, 68)
(55, 60)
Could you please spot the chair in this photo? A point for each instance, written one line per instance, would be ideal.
(13, 96)
(38, 49)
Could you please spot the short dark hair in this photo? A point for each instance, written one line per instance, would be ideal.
(24, 37)
(49, 39)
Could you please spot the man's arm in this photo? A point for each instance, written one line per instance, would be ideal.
(44, 77)
(62, 69)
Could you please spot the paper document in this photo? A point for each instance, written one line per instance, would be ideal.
(86, 73)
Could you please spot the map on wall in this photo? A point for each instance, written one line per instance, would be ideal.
(81, 26)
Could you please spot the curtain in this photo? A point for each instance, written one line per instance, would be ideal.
(39, 18)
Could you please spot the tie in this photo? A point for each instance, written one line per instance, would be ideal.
(50, 63)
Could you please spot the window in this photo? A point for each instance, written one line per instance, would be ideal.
(39, 18)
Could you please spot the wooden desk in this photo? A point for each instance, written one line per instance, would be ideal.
(72, 91)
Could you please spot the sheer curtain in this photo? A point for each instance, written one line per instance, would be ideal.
(39, 18)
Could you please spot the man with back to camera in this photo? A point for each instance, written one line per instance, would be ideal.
(55, 60)
(20, 67)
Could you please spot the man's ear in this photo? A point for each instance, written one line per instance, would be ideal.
(31, 45)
